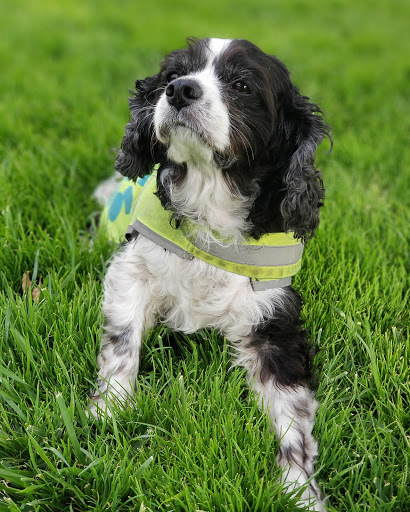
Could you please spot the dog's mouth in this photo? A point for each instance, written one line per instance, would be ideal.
(184, 128)
(188, 125)
(173, 125)
(221, 159)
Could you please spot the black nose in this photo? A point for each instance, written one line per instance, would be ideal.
(183, 92)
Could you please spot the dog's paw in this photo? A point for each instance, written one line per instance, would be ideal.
(99, 407)
(312, 498)
(309, 494)
(109, 403)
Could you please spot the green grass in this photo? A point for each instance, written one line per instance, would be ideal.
(195, 439)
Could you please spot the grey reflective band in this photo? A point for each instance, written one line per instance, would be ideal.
(247, 255)
(158, 239)
(258, 256)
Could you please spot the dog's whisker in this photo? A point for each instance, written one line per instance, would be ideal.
(245, 142)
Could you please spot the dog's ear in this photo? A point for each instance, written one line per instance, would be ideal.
(139, 149)
(303, 129)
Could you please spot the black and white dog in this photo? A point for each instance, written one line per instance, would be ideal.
(235, 142)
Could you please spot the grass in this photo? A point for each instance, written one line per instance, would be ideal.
(195, 439)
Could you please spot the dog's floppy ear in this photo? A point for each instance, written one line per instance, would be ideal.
(139, 150)
(304, 129)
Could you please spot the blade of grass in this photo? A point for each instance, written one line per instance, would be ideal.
(70, 428)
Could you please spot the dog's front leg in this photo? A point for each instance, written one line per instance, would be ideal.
(292, 411)
(277, 357)
(128, 312)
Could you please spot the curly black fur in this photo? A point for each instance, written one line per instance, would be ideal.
(291, 188)
(139, 149)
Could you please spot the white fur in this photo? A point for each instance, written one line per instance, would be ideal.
(205, 198)
(216, 46)
(188, 295)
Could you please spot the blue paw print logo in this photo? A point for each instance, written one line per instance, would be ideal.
(118, 200)
(123, 198)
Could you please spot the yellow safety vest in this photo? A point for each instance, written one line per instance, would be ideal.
(269, 262)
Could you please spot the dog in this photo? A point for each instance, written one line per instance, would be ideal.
(233, 144)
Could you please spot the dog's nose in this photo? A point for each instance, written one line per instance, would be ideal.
(183, 92)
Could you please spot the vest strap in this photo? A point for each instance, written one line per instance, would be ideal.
(269, 262)
(259, 286)
(246, 261)
(257, 255)
(158, 239)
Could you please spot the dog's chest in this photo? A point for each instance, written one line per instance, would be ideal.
(190, 294)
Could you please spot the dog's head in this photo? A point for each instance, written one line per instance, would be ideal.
(228, 112)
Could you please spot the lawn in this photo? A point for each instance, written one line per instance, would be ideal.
(195, 440)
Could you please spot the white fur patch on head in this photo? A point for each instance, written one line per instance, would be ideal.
(217, 46)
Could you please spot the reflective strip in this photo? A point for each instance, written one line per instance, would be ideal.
(258, 256)
(262, 277)
(158, 239)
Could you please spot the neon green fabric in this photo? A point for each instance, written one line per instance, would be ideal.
(116, 216)
(150, 219)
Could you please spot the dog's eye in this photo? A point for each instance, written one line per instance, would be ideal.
(172, 76)
(241, 87)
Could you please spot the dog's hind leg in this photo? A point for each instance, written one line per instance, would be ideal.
(129, 314)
